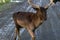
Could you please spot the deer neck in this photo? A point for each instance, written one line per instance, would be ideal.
(41, 13)
(38, 13)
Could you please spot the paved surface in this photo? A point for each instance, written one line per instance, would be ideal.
(49, 30)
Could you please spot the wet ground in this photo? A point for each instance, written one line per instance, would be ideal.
(49, 30)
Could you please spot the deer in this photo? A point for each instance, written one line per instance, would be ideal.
(29, 20)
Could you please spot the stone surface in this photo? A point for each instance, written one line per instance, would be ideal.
(49, 30)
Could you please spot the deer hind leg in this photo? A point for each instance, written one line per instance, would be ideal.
(17, 33)
(31, 33)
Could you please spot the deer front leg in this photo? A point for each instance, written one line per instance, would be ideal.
(32, 34)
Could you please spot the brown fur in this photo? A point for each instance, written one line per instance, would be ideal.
(29, 20)
(26, 18)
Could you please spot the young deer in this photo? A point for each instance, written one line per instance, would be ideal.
(30, 20)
